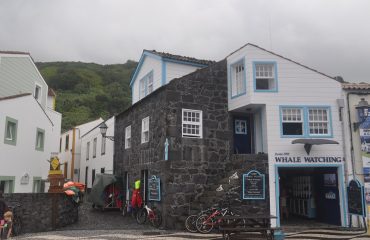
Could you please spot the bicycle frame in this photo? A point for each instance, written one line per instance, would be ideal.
(150, 212)
(216, 213)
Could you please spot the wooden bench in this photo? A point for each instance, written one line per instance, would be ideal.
(247, 224)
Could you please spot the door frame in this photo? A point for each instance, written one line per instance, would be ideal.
(341, 188)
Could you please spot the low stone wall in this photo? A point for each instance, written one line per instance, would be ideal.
(41, 212)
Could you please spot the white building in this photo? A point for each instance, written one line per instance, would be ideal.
(282, 102)
(31, 127)
(156, 69)
(70, 149)
(96, 153)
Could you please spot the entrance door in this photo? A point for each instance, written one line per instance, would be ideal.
(242, 135)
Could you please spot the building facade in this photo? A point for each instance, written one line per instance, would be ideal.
(96, 153)
(255, 112)
(31, 126)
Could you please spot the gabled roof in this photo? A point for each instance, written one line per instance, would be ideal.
(167, 57)
(250, 44)
(15, 52)
(356, 86)
(51, 92)
(181, 58)
(15, 96)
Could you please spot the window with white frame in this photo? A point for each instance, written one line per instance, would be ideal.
(146, 85)
(87, 150)
(103, 145)
(128, 137)
(318, 119)
(292, 121)
(94, 147)
(237, 79)
(11, 126)
(37, 93)
(40, 139)
(145, 130)
(265, 78)
(192, 123)
(66, 147)
(240, 126)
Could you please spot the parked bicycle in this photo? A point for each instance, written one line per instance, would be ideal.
(17, 221)
(190, 222)
(152, 214)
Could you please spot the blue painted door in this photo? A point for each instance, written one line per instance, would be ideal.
(242, 135)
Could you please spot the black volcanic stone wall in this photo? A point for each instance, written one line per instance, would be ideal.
(193, 163)
(41, 212)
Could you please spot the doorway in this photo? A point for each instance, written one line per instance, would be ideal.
(242, 128)
(309, 196)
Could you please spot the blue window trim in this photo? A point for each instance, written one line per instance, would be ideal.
(342, 188)
(145, 79)
(306, 131)
(229, 69)
(276, 89)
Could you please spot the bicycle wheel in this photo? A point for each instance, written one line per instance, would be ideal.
(141, 216)
(203, 224)
(191, 223)
(157, 219)
(17, 226)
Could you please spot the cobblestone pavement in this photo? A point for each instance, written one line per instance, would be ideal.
(111, 225)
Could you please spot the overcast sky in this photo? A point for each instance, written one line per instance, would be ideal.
(332, 36)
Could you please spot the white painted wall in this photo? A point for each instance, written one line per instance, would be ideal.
(101, 160)
(149, 64)
(23, 157)
(176, 70)
(297, 86)
(65, 155)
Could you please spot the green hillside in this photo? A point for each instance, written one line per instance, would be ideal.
(87, 91)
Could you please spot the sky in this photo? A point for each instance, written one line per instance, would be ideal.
(331, 36)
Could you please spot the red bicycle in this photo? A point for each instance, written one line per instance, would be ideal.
(206, 222)
(153, 215)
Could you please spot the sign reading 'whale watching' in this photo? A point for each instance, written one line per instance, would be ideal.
(286, 158)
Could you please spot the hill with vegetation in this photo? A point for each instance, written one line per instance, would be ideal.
(87, 91)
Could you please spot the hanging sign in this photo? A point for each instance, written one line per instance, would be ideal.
(253, 185)
(356, 203)
(154, 187)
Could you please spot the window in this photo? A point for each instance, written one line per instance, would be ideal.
(102, 170)
(318, 121)
(103, 144)
(292, 121)
(40, 139)
(146, 85)
(191, 123)
(145, 130)
(265, 76)
(240, 127)
(94, 147)
(87, 150)
(237, 79)
(11, 126)
(60, 145)
(7, 184)
(37, 93)
(128, 137)
(305, 121)
(67, 142)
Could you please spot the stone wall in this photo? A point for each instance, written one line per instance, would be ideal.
(43, 211)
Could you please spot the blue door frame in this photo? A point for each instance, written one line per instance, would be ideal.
(341, 186)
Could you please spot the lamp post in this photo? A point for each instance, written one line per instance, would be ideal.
(362, 113)
(103, 130)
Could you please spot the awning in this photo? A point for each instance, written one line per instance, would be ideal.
(308, 142)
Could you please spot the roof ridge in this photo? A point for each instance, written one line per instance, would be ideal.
(14, 52)
(180, 57)
(14, 96)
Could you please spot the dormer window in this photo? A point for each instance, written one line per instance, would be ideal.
(265, 76)
(37, 93)
(146, 85)
(237, 76)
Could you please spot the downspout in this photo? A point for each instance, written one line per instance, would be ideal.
(73, 153)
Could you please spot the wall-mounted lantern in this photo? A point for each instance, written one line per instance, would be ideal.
(362, 108)
(103, 130)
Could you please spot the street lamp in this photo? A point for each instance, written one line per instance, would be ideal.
(103, 130)
(362, 113)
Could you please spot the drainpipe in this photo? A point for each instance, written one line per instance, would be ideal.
(73, 153)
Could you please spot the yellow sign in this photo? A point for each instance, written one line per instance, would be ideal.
(54, 166)
(54, 163)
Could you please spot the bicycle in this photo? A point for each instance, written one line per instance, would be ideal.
(190, 222)
(17, 221)
(206, 222)
(153, 215)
